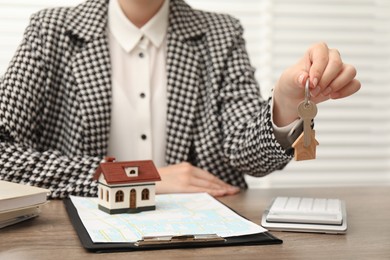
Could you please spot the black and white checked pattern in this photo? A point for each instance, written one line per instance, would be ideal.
(55, 100)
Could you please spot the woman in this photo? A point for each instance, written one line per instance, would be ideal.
(150, 79)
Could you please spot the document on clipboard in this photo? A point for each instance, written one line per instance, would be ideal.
(180, 220)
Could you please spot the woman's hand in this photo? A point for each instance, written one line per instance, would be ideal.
(186, 178)
(329, 77)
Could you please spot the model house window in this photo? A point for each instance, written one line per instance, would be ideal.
(107, 196)
(145, 194)
(101, 194)
(119, 196)
(131, 171)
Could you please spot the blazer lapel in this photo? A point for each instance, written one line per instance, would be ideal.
(183, 79)
(92, 71)
(91, 68)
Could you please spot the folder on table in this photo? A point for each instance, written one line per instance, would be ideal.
(164, 241)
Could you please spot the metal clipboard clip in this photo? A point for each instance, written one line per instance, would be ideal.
(169, 240)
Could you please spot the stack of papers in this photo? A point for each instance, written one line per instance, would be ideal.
(19, 202)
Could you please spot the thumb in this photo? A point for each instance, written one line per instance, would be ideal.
(301, 78)
(314, 89)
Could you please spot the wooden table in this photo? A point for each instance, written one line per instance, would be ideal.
(51, 235)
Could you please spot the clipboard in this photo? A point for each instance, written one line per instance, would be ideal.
(164, 242)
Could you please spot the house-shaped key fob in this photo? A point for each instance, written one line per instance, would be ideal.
(305, 153)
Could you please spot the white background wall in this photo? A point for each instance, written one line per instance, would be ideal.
(354, 134)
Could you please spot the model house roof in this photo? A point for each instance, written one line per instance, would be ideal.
(115, 172)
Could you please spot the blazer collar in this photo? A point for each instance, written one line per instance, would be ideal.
(89, 20)
(184, 22)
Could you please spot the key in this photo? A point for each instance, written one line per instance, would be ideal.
(307, 111)
(305, 145)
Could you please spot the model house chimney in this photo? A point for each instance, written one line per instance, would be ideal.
(109, 159)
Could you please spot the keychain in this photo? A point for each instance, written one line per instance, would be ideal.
(305, 145)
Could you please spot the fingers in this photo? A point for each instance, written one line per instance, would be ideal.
(331, 72)
(185, 178)
(214, 188)
(347, 90)
(330, 77)
(212, 192)
(207, 179)
(202, 180)
(343, 79)
(318, 61)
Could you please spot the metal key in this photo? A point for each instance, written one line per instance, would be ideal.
(307, 111)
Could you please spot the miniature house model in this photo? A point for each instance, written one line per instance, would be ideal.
(126, 187)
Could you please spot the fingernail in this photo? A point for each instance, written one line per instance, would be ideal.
(314, 92)
(327, 91)
(315, 82)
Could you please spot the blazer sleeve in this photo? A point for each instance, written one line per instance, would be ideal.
(249, 143)
(21, 98)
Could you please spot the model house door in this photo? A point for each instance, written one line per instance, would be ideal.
(133, 199)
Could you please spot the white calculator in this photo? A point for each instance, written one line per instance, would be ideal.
(320, 215)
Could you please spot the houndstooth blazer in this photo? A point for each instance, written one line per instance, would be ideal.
(55, 100)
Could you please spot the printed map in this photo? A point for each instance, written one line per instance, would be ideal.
(175, 214)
